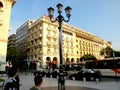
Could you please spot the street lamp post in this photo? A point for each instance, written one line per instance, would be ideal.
(115, 66)
(60, 19)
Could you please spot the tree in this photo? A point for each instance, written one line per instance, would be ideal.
(12, 55)
(106, 52)
(117, 53)
(88, 57)
(22, 56)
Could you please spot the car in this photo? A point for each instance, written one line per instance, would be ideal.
(87, 74)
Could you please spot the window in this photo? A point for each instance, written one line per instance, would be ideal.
(1, 5)
(76, 40)
(77, 52)
(48, 49)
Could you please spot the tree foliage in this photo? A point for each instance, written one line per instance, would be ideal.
(88, 57)
(108, 52)
(12, 55)
(23, 56)
(117, 53)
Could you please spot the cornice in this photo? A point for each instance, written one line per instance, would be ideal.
(3, 40)
(13, 2)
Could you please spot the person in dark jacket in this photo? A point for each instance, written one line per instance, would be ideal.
(38, 81)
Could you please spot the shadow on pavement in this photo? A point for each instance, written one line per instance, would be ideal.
(69, 88)
(105, 79)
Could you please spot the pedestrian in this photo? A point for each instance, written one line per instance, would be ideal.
(38, 81)
(11, 83)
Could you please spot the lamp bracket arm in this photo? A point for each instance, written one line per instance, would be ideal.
(66, 20)
(53, 21)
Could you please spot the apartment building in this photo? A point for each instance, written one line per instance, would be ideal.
(12, 41)
(43, 43)
(5, 12)
(21, 38)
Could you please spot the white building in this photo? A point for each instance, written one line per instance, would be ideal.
(5, 12)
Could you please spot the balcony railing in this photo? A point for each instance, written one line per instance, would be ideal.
(40, 35)
(48, 44)
(49, 29)
(1, 22)
(55, 30)
(54, 37)
(1, 10)
(48, 36)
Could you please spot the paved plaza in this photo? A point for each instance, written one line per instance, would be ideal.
(27, 81)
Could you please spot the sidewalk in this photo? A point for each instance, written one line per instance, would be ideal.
(50, 83)
(27, 81)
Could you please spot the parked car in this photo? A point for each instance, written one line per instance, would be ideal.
(41, 71)
(88, 74)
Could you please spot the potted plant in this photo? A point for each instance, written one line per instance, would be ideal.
(1, 81)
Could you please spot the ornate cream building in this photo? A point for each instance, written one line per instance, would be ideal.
(43, 45)
(5, 12)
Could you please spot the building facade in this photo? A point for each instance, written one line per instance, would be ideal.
(5, 12)
(21, 38)
(12, 41)
(43, 43)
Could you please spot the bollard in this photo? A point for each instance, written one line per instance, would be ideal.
(73, 78)
(45, 75)
(65, 77)
(50, 76)
(97, 80)
(84, 79)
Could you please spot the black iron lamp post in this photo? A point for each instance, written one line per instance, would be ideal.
(60, 19)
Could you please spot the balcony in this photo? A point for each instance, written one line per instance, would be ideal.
(39, 28)
(35, 37)
(67, 53)
(72, 47)
(54, 45)
(35, 46)
(67, 40)
(39, 52)
(55, 37)
(48, 43)
(40, 43)
(48, 52)
(54, 30)
(40, 35)
(49, 29)
(48, 36)
(1, 22)
(72, 41)
(68, 46)
(1, 10)
(55, 53)
(63, 46)
(63, 39)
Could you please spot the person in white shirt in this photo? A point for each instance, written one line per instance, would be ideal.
(11, 83)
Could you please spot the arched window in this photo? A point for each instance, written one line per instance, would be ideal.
(1, 5)
(48, 62)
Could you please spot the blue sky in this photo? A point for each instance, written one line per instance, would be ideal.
(99, 17)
